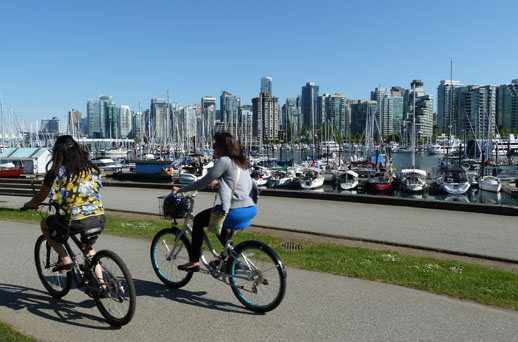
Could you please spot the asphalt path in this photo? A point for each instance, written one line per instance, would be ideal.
(465, 232)
(317, 306)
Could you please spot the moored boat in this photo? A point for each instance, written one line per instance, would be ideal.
(490, 183)
(453, 180)
(311, 179)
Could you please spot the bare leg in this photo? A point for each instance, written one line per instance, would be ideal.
(65, 259)
(98, 269)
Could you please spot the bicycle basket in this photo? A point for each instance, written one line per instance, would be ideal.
(172, 206)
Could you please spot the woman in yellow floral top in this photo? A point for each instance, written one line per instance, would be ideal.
(73, 182)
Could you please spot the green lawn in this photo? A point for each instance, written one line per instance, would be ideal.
(8, 334)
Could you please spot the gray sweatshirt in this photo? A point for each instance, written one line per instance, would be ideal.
(225, 171)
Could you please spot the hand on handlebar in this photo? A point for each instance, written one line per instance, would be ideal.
(27, 206)
(177, 190)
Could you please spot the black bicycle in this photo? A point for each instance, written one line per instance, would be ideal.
(253, 269)
(113, 293)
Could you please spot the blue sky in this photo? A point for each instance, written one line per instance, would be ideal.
(55, 55)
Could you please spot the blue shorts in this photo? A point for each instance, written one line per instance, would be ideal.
(238, 218)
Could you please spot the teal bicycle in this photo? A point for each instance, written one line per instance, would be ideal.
(253, 269)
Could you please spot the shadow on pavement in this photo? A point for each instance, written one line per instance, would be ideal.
(158, 290)
(42, 304)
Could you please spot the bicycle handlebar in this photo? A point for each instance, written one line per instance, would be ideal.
(42, 204)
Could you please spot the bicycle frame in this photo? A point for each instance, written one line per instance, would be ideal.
(227, 251)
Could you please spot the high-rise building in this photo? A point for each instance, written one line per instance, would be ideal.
(359, 109)
(97, 111)
(397, 93)
(507, 106)
(160, 120)
(94, 119)
(291, 115)
(384, 114)
(266, 85)
(51, 126)
(309, 105)
(423, 112)
(265, 123)
(208, 107)
(112, 121)
(447, 106)
(477, 111)
(125, 121)
(245, 135)
(138, 125)
(337, 113)
(229, 105)
(104, 102)
(74, 122)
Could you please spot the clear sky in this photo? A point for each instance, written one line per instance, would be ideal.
(55, 55)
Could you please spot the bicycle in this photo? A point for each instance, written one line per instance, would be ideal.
(113, 294)
(253, 269)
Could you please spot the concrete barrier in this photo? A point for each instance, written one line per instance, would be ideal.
(359, 198)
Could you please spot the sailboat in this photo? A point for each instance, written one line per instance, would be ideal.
(489, 182)
(413, 179)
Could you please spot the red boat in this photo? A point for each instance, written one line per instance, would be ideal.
(379, 182)
(11, 173)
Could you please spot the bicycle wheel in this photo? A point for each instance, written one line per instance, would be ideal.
(117, 300)
(258, 276)
(57, 283)
(167, 254)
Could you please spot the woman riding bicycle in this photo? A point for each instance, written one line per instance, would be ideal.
(74, 183)
(240, 206)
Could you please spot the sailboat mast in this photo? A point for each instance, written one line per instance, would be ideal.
(413, 125)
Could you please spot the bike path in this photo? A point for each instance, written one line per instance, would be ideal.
(464, 232)
(317, 306)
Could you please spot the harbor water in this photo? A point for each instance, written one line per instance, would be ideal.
(430, 164)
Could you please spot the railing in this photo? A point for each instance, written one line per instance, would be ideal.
(19, 186)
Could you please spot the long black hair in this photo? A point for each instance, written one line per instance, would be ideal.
(67, 152)
(231, 148)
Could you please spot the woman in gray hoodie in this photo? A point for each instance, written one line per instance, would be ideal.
(241, 205)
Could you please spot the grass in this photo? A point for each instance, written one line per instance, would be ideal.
(482, 284)
(8, 334)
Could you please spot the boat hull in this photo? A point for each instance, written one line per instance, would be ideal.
(11, 173)
(312, 184)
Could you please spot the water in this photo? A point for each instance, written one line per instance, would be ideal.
(429, 163)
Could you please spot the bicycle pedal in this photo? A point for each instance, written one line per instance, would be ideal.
(214, 264)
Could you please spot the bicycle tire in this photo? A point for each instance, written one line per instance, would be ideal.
(58, 284)
(118, 301)
(266, 273)
(165, 265)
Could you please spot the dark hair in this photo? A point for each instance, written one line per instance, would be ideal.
(231, 148)
(67, 152)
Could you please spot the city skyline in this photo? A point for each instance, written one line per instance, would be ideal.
(56, 56)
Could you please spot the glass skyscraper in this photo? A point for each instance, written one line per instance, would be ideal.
(266, 84)
(309, 105)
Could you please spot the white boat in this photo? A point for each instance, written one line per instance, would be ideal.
(260, 175)
(191, 173)
(116, 153)
(490, 183)
(281, 178)
(435, 149)
(453, 180)
(311, 179)
(348, 180)
(413, 180)
(107, 165)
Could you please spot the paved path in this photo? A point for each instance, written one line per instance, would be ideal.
(483, 234)
(317, 307)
